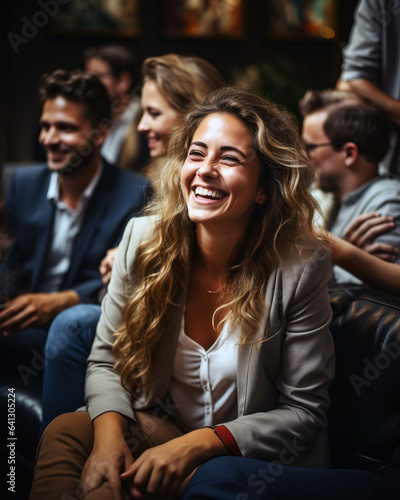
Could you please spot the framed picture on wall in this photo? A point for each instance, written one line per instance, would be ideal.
(313, 19)
(97, 17)
(204, 18)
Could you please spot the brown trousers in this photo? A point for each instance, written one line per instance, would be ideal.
(67, 443)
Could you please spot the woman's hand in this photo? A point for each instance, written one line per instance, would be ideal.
(366, 228)
(110, 456)
(161, 470)
(106, 265)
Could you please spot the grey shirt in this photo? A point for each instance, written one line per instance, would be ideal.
(382, 195)
(373, 54)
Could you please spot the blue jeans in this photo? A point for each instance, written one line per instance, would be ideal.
(234, 478)
(67, 348)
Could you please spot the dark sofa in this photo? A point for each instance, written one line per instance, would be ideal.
(365, 412)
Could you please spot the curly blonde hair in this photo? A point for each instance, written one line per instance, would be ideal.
(277, 229)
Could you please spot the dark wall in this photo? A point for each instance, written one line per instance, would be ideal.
(302, 63)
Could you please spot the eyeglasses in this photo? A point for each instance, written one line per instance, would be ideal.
(309, 146)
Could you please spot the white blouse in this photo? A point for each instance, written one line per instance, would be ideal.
(203, 384)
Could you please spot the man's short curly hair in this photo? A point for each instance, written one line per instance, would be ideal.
(78, 86)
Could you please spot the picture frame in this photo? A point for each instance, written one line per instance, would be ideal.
(204, 18)
(97, 18)
(302, 19)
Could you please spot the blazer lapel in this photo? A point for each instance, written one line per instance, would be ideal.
(246, 353)
(93, 216)
(243, 367)
(45, 217)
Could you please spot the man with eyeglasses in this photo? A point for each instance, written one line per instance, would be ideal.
(346, 137)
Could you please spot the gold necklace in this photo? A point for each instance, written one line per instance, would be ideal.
(206, 289)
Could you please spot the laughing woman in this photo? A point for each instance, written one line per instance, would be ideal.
(213, 338)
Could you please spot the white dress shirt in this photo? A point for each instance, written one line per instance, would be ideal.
(203, 384)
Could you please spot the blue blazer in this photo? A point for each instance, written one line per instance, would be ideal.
(118, 196)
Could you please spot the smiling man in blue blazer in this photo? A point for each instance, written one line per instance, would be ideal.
(65, 214)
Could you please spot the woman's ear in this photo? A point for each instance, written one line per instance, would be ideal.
(261, 198)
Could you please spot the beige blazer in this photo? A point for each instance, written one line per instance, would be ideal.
(282, 383)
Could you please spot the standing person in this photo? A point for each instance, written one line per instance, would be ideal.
(65, 214)
(172, 83)
(214, 335)
(371, 66)
(115, 66)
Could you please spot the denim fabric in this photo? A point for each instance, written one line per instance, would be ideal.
(67, 348)
(234, 478)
